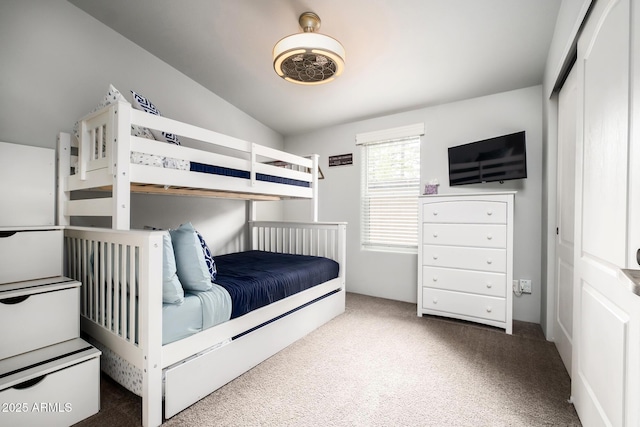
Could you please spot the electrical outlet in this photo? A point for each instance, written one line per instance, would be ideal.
(525, 286)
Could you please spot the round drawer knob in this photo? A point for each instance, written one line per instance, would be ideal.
(435, 300)
(435, 279)
(489, 285)
(489, 261)
(489, 213)
(489, 309)
(489, 237)
(435, 213)
(435, 234)
(435, 257)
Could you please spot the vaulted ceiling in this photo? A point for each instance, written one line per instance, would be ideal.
(400, 54)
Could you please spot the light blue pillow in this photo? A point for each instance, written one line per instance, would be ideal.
(192, 267)
(172, 292)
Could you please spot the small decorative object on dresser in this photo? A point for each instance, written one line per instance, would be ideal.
(465, 255)
(431, 187)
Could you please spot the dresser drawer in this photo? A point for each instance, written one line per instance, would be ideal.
(475, 282)
(30, 254)
(481, 235)
(465, 211)
(479, 306)
(483, 259)
(38, 313)
(56, 386)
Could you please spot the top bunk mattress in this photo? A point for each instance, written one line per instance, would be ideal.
(237, 173)
(255, 279)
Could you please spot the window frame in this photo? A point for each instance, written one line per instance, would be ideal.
(381, 139)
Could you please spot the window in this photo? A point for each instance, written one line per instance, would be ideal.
(390, 190)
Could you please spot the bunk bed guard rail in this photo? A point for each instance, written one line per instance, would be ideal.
(103, 155)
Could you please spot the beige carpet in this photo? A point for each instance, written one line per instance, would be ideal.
(381, 365)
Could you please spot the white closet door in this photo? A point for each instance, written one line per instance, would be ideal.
(563, 316)
(604, 323)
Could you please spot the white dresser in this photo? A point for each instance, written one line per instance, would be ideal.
(465, 257)
(49, 376)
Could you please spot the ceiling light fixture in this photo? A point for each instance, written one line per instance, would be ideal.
(308, 58)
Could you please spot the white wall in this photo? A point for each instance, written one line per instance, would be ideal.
(394, 276)
(56, 63)
(561, 52)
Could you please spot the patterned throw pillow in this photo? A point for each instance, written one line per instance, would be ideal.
(208, 257)
(143, 104)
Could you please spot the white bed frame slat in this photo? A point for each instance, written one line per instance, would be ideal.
(188, 131)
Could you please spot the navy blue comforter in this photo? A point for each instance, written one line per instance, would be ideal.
(256, 278)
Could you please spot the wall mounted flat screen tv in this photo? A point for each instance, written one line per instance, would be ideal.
(495, 159)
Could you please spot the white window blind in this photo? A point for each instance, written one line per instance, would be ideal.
(390, 190)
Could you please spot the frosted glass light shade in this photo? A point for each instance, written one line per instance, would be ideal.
(308, 58)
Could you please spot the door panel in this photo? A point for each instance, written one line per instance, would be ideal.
(600, 344)
(605, 145)
(567, 122)
(604, 326)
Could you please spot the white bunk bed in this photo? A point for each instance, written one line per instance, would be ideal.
(128, 319)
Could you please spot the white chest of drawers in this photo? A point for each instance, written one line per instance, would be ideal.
(465, 257)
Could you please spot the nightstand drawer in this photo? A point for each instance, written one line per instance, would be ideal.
(475, 282)
(483, 259)
(38, 313)
(55, 386)
(30, 254)
(480, 235)
(450, 302)
(465, 211)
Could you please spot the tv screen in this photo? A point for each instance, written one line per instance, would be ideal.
(495, 159)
